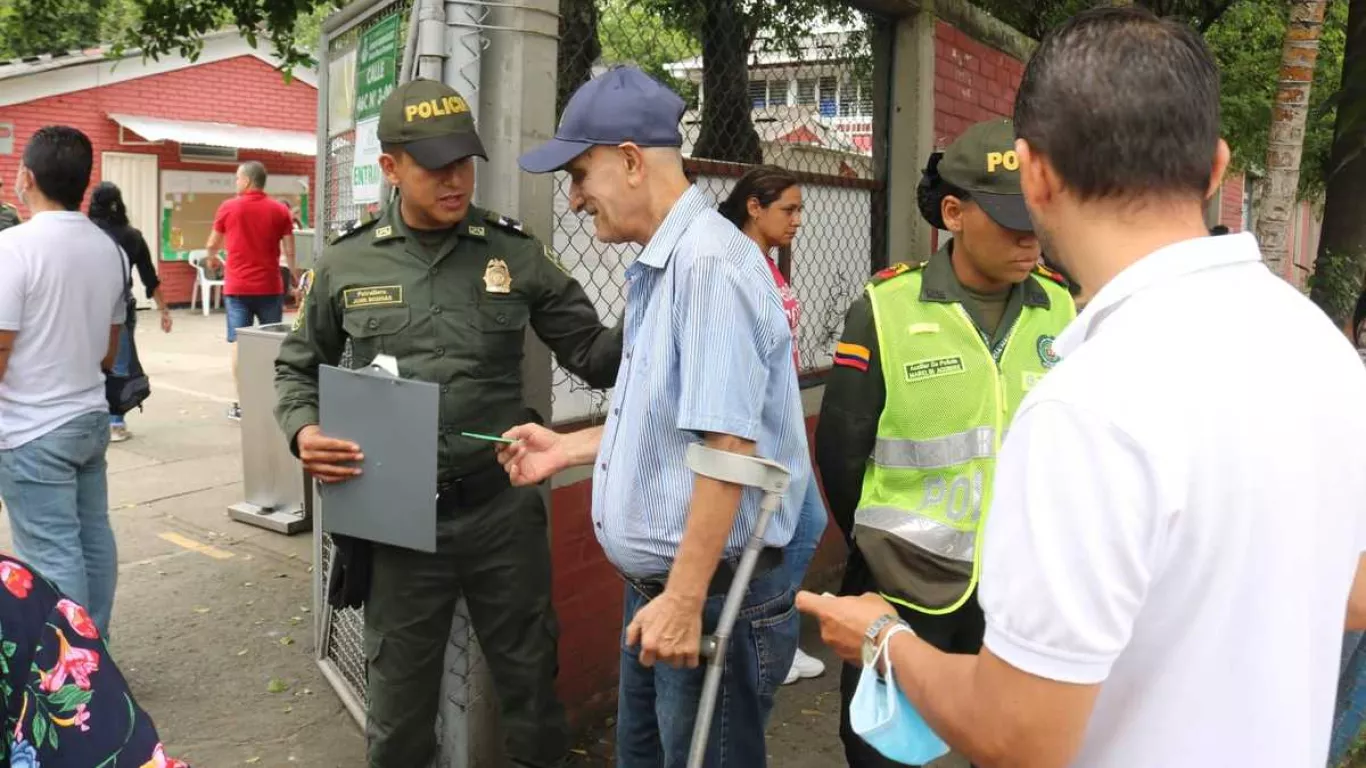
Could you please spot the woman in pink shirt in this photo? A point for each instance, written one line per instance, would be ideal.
(766, 204)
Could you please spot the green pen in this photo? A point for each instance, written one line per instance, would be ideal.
(490, 438)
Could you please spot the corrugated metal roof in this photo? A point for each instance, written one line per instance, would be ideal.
(33, 65)
(47, 61)
(220, 134)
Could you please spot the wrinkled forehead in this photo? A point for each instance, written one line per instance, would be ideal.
(597, 158)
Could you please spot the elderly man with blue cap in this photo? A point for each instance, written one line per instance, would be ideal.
(707, 358)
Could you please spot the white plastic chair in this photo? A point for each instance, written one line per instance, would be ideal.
(203, 286)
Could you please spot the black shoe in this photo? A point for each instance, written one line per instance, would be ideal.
(235, 412)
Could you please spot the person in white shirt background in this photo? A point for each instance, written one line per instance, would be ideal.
(61, 313)
(1176, 542)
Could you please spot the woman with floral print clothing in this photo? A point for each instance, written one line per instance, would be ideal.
(66, 704)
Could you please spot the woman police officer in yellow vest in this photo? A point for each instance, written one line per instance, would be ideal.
(933, 362)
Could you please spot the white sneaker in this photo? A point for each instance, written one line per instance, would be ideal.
(804, 666)
(119, 433)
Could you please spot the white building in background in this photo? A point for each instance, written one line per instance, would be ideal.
(818, 99)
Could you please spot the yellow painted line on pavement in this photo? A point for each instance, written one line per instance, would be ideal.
(154, 560)
(195, 546)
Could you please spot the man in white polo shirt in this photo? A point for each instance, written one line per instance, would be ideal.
(1179, 510)
(61, 309)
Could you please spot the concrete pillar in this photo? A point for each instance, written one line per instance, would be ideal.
(518, 102)
(910, 130)
(503, 58)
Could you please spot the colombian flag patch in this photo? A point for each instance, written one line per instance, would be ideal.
(852, 356)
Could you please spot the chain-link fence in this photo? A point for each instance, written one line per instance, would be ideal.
(779, 82)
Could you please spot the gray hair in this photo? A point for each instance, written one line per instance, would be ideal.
(255, 173)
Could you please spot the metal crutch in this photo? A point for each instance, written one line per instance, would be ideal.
(772, 479)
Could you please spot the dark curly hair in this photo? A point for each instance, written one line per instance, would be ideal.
(106, 206)
(930, 193)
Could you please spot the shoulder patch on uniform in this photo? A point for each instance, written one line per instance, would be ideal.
(554, 258)
(508, 223)
(896, 270)
(1056, 277)
(854, 356)
(305, 292)
(359, 225)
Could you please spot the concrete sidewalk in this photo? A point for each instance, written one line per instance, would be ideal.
(213, 622)
(211, 615)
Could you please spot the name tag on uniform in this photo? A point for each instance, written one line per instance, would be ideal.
(373, 296)
(922, 370)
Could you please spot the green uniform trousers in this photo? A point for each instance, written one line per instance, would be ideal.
(497, 555)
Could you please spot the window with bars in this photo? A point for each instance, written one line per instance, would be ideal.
(758, 93)
(806, 92)
(856, 97)
(828, 96)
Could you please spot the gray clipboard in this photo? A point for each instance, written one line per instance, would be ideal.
(395, 423)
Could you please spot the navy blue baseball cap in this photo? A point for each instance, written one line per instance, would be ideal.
(620, 105)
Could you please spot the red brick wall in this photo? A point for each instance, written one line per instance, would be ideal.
(588, 594)
(972, 83)
(242, 91)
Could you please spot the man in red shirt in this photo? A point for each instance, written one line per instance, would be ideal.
(254, 229)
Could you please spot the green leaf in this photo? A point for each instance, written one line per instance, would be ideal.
(68, 698)
(9, 648)
(40, 727)
(276, 685)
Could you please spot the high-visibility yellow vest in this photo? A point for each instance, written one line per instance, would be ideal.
(950, 397)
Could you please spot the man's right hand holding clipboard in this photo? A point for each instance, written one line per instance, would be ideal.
(328, 459)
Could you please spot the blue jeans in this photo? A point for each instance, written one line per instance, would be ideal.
(57, 494)
(246, 311)
(124, 357)
(807, 537)
(656, 706)
(1350, 712)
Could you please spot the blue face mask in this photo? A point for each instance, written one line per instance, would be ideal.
(882, 716)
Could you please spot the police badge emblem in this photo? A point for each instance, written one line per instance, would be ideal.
(497, 279)
(1047, 356)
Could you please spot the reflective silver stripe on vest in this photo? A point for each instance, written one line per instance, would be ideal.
(923, 532)
(978, 443)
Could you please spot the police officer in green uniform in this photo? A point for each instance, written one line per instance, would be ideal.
(449, 290)
(933, 362)
(9, 215)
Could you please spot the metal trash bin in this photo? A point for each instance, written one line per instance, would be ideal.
(303, 248)
(273, 480)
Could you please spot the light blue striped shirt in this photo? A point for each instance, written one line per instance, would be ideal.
(707, 349)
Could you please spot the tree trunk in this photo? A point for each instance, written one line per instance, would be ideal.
(1341, 262)
(579, 48)
(727, 132)
(1286, 138)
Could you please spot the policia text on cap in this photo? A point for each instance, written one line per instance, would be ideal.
(448, 289)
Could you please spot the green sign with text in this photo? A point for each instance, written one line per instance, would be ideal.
(376, 66)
